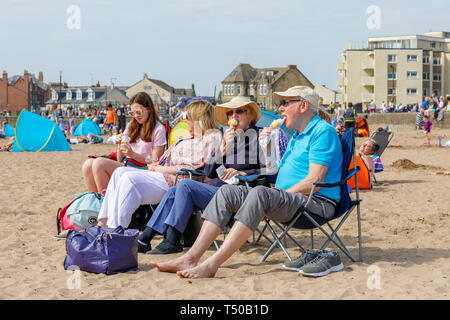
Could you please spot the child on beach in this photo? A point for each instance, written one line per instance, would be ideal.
(419, 119)
(427, 127)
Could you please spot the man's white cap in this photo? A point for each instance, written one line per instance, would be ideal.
(299, 91)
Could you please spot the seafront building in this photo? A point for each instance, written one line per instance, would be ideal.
(260, 83)
(398, 69)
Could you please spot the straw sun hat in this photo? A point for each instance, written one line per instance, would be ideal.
(235, 103)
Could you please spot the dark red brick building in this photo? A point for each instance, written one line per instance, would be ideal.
(19, 92)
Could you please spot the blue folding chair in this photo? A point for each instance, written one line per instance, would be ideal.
(306, 220)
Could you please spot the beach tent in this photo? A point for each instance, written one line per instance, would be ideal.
(179, 130)
(186, 100)
(87, 126)
(9, 130)
(35, 133)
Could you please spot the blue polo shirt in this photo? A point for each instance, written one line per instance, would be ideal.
(318, 143)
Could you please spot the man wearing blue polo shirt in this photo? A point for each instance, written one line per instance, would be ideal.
(314, 154)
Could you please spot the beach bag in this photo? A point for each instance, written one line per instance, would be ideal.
(80, 213)
(102, 250)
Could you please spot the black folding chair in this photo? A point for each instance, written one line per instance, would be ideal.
(382, 138)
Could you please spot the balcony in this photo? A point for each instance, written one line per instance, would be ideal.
(367, 64)
(340, 66)
(340, 82)
(367, 97)
(368, 81)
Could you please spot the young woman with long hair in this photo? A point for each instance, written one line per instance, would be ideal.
(147, 139)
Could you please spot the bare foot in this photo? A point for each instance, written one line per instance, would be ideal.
(175, 265)
(201, 271)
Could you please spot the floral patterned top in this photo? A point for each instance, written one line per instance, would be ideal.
(190, 153)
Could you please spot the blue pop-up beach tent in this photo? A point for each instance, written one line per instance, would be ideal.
(87, 126)
(9, 130)
(35, 133)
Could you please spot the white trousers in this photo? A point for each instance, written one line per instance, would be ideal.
(127, 189)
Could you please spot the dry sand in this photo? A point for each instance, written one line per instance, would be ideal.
(405, 225)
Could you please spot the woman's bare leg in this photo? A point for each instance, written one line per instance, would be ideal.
(89, 175)
(102, 170)
(239, 233)
(208, 233)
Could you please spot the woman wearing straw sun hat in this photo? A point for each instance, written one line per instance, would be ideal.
(238, 114)
(238, 154)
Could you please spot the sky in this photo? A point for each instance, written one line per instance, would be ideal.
(185, 42)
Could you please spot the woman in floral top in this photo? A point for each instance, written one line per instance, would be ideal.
(129, 188)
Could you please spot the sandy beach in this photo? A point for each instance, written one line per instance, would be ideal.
(405, 226)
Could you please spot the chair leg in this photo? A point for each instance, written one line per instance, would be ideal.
(312, 238)
(276, 242)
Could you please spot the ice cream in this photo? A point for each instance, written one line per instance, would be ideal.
(277, 123)
(125, 139)
(232, 123)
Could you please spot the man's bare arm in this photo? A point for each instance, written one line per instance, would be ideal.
(317, 173)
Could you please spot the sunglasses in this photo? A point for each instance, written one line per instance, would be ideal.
(285, 103)
(136, 113)
(238, 112)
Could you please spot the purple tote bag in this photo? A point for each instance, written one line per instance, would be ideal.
(102, 250)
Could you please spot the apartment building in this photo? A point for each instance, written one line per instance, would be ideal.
(401, 69)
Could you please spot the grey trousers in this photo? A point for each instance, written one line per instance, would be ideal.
(250, 205)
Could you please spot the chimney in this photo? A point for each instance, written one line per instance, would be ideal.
(5, 76)
(26, 77)
(41, 77)
(193, 87)
(292, 66)
(145, 76)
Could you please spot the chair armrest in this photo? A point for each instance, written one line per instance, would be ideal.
(350, 174)
(249, 178)
(185, 171)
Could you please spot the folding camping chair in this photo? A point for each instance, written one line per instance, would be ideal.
(382, 138)
(306, 220)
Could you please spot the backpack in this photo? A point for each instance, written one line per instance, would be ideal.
(80, 213)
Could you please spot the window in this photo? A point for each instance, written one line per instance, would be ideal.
(433, 45)
(79, 95)
(68, 95)
(436, 77)
(238, 89)
(411, 74)
(263, 89)
(436, 60)
(252, 89)
(270, 73)
(392, 58)
(232, 89)
(411, 92)
(411, 58)
(392, 75)
(426, 59)
(54, 97)
(425, 92)
(391, 91)
(91, 96)
(426, 76)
